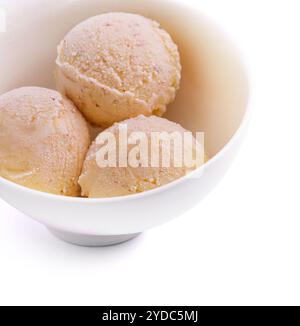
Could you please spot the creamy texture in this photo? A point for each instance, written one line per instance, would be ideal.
(43, 140)
(94, 131)
(118, 181)
(118, 65)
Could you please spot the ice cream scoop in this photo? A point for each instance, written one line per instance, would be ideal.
(116, 66)
(43, 140)
(98, 180)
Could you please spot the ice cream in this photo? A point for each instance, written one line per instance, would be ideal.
(116, 66)
(43, 140)
(94, 131)
(110, 181)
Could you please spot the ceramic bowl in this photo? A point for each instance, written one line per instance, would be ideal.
(213, 98)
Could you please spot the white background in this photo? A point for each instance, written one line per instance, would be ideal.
(240, 245)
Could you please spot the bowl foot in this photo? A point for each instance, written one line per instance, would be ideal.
(92, 240)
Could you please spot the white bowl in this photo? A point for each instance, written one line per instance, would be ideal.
(213, 98)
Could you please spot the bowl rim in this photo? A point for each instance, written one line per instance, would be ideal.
(244, 121)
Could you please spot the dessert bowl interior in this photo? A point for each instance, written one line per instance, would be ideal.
(212, 98)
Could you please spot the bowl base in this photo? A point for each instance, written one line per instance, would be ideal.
(92, 240)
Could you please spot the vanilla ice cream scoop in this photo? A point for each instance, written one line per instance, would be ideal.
(43, 140)
(138, 174)
(116, 66)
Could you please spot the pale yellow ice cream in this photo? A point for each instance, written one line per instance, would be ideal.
(94, 131)
(110, 181)
(116, 66)
(43, 140)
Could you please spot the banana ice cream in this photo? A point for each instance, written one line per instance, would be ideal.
(116, 66)
(111, 181)
(43, 140)
(119, 70)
